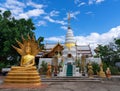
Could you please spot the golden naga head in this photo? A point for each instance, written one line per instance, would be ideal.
(29, 46)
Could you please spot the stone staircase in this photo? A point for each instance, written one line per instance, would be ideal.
(70, 79)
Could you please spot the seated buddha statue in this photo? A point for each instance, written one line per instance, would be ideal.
(28, 59)
(27, 50)
(27, 72)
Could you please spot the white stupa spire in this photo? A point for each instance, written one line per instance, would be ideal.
(69, 41)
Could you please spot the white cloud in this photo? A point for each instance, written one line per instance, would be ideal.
(22, 15)
(41, 23)
(12, 3)
(72, 15)
(94, 38)
(61, 22)
(2, 9)
(49, 19)
(99, 1)
(90, 2)
(90, 13)
(31, 13)
(30, 3)
(77, 1)
(81, 4)
(54, 13)
(35, 12)
(95, 1)
(14, 6)
(55, 39)
(54, 21)
(64, 27)
(17, 9)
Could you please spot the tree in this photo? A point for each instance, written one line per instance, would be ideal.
(109, 53)
(10, 30)
(40, 40)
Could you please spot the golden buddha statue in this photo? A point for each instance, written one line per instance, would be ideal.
(49, 72)
(28, 59)
(90, 71)
(102, 73)
(26, 72)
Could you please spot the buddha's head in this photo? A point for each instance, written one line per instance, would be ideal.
(28, 49)
(108, 68)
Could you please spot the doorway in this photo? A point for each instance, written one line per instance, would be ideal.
(69, 69)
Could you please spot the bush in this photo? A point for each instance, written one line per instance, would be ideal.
(114, 70)
(43, 68)
(96, 67)
(105, 66)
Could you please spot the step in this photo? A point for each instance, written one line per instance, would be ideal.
(70, 79)
(21, 81)
(22, 77)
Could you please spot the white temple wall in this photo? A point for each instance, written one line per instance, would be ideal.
(49, 60)
(91, 59)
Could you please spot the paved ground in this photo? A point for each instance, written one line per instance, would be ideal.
(67, 86)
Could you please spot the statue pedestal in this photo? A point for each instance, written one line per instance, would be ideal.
(23, 75)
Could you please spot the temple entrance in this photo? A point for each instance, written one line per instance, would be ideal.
(69, 69)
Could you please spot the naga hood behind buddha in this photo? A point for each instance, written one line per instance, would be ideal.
(28, 50)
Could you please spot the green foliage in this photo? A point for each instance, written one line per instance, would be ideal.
(40, 40)
(43, 68)
(117, 42)
(2, 65)
(77, 62)
(96, 67)
(105, 66)
(11, 29)
(114, 70)
(110, 54)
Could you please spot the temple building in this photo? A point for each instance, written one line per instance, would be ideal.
(66, 55)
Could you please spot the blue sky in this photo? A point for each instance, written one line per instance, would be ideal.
(92, 21)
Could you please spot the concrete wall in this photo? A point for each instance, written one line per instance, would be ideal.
(91, 59)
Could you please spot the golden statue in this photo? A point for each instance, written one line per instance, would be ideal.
(101, 73)
(90, 71)
(28, 50)
(49, 72)
(26, 72)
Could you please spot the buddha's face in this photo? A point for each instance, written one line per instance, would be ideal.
(28, 50)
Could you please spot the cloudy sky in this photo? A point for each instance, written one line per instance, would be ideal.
(92, 21)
